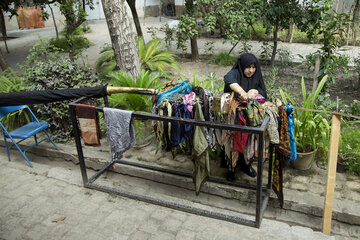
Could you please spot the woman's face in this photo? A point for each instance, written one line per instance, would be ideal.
(250, 70)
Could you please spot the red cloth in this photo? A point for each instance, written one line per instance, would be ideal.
(240, 138)
(89, 124)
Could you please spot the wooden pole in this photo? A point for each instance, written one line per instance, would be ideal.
(317, 68)
(331, 174)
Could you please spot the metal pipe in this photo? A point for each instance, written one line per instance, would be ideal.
(172, 205)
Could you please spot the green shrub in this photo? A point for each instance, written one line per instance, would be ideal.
(260, 30)
(11, 82)
(83, 28)
(223, 59)
(106, 62)
(349, 149)
(60, 73)
(152, 57)
(136, 102)
(355, 108)
(78, 43)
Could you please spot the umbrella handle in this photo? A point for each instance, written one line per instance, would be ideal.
(149, 91)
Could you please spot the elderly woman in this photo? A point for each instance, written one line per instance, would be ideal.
(246, 81)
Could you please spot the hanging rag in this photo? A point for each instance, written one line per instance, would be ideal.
(163, 129)
(255, 113)
(182, 87)
(189, 100)
(200, 152)
(282, 155)
(120, 130)
(240, 138)
(272, 129)
(89, 124)
(225, 103)
(181, 131)
(293, 153)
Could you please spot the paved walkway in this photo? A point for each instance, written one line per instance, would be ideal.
(49, 202)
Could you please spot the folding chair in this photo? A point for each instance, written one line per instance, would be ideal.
(23, 132)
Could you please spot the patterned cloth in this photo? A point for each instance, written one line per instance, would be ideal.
(255, 113)
(282, 155)
(189, 101)
(182, 87)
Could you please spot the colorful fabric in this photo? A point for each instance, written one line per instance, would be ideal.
(168, 86)
(225, 103)
(182, 87)
(282, 155)
(181, 131)
(293, 153)
(189, 101)
(284, 146)
(240, 138)
(255, 113)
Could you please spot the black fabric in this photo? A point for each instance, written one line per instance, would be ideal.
(236, 75)
(47, 96)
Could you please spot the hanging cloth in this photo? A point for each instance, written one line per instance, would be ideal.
(89, 124)
(182, 87)
(180, 131)
(200, 152)
(163, 129)
(282, 155)
(120, 130)
(272, 129)
(293, 153)
(240, 138)
(255, 113)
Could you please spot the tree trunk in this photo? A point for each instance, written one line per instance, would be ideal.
(53, 17)
(132, 5)
(275, 44)
(122, 36)
(3, 29)
(355, 21)
(316, 72)
(3, 63)
(194, 49)
(189, 9)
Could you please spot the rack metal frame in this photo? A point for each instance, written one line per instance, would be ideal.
(262, 192)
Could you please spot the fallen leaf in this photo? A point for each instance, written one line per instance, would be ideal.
(58, 219)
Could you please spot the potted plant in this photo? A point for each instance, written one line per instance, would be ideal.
(310, 127)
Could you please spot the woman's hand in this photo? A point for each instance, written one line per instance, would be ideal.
(252, 93)
(244, 95)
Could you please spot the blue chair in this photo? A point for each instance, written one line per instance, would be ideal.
(23, 132)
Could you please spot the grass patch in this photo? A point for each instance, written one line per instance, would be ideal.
(223, 59)
(77, 41)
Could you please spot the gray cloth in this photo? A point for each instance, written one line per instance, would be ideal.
(120, 130)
